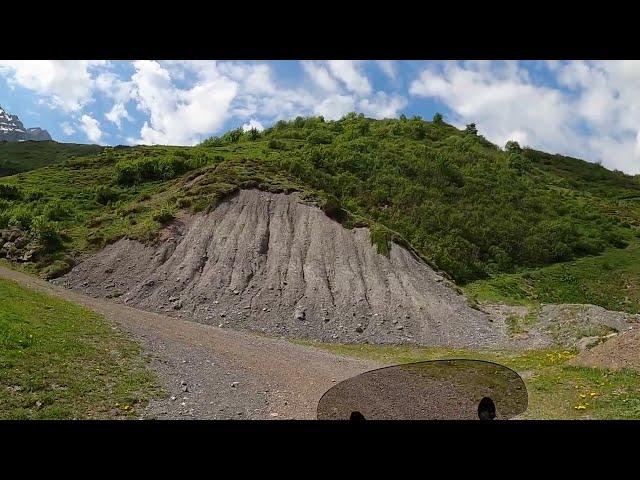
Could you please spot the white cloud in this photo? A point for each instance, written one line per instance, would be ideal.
(67, 84)
(253, 123)
(335, 106)
(67, 129)
(382, 105)
(117, 113)
(91, 127)
(388, 67)
(181, 116)
(347, 71)
(320, 76)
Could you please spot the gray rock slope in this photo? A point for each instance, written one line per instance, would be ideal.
(267, 262)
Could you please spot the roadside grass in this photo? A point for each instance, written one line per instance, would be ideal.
(556, 390)
(610, 280)
(61, 361)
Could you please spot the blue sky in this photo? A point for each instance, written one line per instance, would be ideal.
(580, 108)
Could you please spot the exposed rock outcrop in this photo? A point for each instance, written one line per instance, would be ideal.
(270, 263)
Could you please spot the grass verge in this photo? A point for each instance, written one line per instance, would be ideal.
(61, 361)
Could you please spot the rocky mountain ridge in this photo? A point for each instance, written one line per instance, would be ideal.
(13, 130)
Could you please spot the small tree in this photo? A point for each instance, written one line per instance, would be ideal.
(513, 147)
(471, 129)
(437, 118)
(254, 134)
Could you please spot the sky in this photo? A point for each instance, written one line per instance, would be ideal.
(587, 109)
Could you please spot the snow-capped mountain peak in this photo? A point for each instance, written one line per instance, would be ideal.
(12, 129)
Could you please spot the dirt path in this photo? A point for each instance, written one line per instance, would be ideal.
(226, 374)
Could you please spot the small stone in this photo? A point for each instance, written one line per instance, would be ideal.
(173, 398)
(274, 414)
(223, 315)
(185, 388)
(236, 291)
(246, 307)
(264, 309)
(234, 384)
(400, 327)
(220, 325)
(300, 314)
(359, 328)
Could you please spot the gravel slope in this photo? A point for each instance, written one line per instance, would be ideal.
(275, 378)
(267, 262)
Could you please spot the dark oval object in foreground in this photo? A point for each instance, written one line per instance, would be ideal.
(433, 390)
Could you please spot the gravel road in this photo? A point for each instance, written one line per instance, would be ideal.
(217, 373)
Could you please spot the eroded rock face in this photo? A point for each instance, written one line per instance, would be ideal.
(267, 262)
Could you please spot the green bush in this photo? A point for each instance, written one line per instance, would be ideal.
(46, 233)
(5, 218)
(165, 215)
(57, 210)
(105, 195)
(10, 192)
(21, 217)
(276, 144)
(148, 169)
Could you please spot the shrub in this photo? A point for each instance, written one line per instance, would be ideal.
(471, 129)
(5, 218)
(276, 144)
(131, 172)
(437, 118)
(21, 217)
(165, 215)
(46, 233)
(10, 192)
(105, 195)
(57, 211)
(513, 147)
(319, 138)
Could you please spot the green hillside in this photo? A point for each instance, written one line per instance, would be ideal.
(483, 214)
(16, 157)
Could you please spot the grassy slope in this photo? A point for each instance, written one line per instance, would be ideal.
(556, 390)
(18, 157)
(58, 360)
(611, 280)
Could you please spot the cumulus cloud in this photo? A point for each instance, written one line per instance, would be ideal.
(382, 105)
(320, 76)
(388, 67)
(67, 129)
(348, 72)
(181, 116)
(91, 128)
(335, 106)
(67, 84)
(117, 113)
